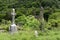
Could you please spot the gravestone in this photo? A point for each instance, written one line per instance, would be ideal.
(42, 19)
(36, 33)
(13, 28)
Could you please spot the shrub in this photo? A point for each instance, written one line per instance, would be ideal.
(28, 21)
(5, 24)
(55, 16)
(53, 21)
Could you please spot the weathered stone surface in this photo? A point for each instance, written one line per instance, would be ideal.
(36, 33)
(13, 28)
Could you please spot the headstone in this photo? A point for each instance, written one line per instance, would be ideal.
(42, 19)
(13, 28)
(36, 33)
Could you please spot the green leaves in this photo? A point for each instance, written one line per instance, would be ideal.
(54, 21)
(28, 21)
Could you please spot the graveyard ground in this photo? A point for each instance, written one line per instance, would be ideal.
(29, 35)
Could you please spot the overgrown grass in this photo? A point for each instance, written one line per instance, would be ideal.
(29, 35)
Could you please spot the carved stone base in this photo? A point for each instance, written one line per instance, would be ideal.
(13, 28)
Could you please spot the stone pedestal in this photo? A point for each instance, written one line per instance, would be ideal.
(13, 28)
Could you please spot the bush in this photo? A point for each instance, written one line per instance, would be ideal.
(55, 16)
(5, 24)
(2, 16)
(53, 21)
(28, 21)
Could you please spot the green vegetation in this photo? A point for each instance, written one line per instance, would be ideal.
(29, 35)
(28, 19)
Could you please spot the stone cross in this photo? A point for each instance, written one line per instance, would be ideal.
(13, 27)
(42, 19)
(13, 16)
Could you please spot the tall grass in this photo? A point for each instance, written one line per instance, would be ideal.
(29, 35)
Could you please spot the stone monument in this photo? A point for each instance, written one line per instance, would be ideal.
(36, 33)
(13, 27)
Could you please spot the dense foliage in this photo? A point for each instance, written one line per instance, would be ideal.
(26, 7)
(28, 19)
(51, 10)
